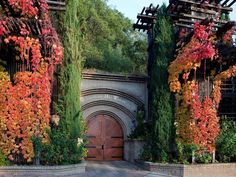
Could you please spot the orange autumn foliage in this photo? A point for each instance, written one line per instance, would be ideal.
(196, 121)
(25, 100)
(25, 113)
(196, 118)
(204, 121)
(190, 56)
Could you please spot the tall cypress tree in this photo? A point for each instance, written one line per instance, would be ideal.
(162, 100)
(67, 144)
(71, 75)
(71, 71)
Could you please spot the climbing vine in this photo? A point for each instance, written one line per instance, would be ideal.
(189, 58)
(197, 121)
(26, 31)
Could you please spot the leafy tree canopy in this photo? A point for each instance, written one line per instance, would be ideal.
(110, 42)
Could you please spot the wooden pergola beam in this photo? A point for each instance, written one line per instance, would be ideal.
(184, 25)
(140, 13)
(151, 10)
(203, 10)
(201, 18)
(207, 5)
(56, 5)
(146, 17)
(142, 26)
(56, 2)
(231, 3)
(193, 22)
(225, 2)
(218, 1)
(145, 20)
(54, 8)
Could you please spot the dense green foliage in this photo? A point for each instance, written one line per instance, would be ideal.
(142, 128)
(203, 158)
(162, 102)
(3, 160)
(110, 42)
(65, 147)
(226, 142)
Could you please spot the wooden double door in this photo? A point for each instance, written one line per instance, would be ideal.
(105, 138)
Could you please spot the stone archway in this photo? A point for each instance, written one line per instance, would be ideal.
(119, 97)
(105, 138)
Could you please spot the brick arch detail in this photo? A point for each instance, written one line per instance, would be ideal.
(124, 95)
(111, 104)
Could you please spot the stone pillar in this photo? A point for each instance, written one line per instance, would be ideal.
(133, 149)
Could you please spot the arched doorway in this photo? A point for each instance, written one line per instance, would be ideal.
(105, 138)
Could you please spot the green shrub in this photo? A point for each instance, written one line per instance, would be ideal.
(186, 152)
(3, 160)
(146, 154)
(37, 143)
(62, 149)
(203, 158)
(142, 129)
(226, 142)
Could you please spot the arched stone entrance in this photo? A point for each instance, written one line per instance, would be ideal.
(119, 97)
(105, 138)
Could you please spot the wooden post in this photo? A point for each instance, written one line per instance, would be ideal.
(145, 22)
(213, 157)
(193, 156)
(208, 86)
(149, 68)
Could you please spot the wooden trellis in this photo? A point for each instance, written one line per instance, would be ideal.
(187, 12)
(56, 5)
(146, 19)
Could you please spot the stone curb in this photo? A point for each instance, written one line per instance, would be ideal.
(196, 170)
(43, 170)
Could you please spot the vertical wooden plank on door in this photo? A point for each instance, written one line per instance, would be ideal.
(94, 135)
(113, 139)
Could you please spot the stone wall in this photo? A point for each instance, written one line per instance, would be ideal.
(133, 149)
(196, 170)
(210, 170)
